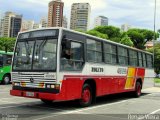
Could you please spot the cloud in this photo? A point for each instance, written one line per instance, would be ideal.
(138, 13)
(96, 4)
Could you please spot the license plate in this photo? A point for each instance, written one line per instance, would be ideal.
(30, 94)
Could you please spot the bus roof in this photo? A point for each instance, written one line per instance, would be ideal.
(80, 33)
(8, 53)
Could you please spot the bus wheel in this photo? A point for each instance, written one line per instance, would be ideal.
(138, 88)
(47, 101)
(86, 97)
(6, 79)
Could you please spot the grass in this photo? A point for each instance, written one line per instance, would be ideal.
(157, 80)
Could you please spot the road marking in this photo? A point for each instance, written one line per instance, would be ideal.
(7, 101)
(146, 116)
(82, 109)
(10, 106)
(9, 98)
(15, 105)
(19, 99)
(154, 112)
(98, 106)
(49, 108)
(107, 115)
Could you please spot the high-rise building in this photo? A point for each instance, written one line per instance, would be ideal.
(1, 23)
(65, 23)
(1, 27)
(125, 27)
(55, 13)
(37, 25)
(43, 22)
(101, 21)
(27, 25)
(15, 25)
(1, 14)
(12, 24)
(80, 14)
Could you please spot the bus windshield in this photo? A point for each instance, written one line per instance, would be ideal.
(35, 54)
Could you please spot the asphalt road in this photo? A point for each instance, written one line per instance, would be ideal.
(112, 107)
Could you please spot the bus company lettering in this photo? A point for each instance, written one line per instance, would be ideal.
(97, 69)
(122, 71)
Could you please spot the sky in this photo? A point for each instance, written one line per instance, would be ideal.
(137, 13)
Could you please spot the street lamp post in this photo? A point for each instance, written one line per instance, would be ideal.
(155, 8)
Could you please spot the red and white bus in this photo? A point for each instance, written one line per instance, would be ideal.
(56, 64)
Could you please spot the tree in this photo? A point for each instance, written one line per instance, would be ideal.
(126, 41)
(116, 39)
(110, 31)
(7, 44)
(137, 38)
(156, 51)
(158, 31)
(97, 34)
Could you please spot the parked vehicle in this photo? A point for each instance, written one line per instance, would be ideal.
(158, 76)
(5, 67)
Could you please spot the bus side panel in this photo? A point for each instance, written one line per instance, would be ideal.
(1, 74)
(4, 70)
(104, 86)
(121, 84)
(141, 74)
(149, 78)
(110, 85)
(72, 88)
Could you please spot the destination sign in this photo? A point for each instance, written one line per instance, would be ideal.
(43, 33)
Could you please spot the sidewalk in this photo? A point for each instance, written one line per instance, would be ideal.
(151, 90)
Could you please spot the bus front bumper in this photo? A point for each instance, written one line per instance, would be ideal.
(38, 95)
(70, 90)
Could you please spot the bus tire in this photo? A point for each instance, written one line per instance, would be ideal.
(48, 102)
(86, 96)
(138, 88)
(6, 79)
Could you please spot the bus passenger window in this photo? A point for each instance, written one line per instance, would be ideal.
(94, 51)
(110, 53)
(122, 56)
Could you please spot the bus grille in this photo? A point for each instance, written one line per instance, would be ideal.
(38, 78)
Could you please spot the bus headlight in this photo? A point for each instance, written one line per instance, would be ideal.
(16, 84)
(56, 86)
(48, 86)
(52, 86)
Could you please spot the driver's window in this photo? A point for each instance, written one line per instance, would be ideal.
(1, 60)
(8, 59)
(72, 58)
